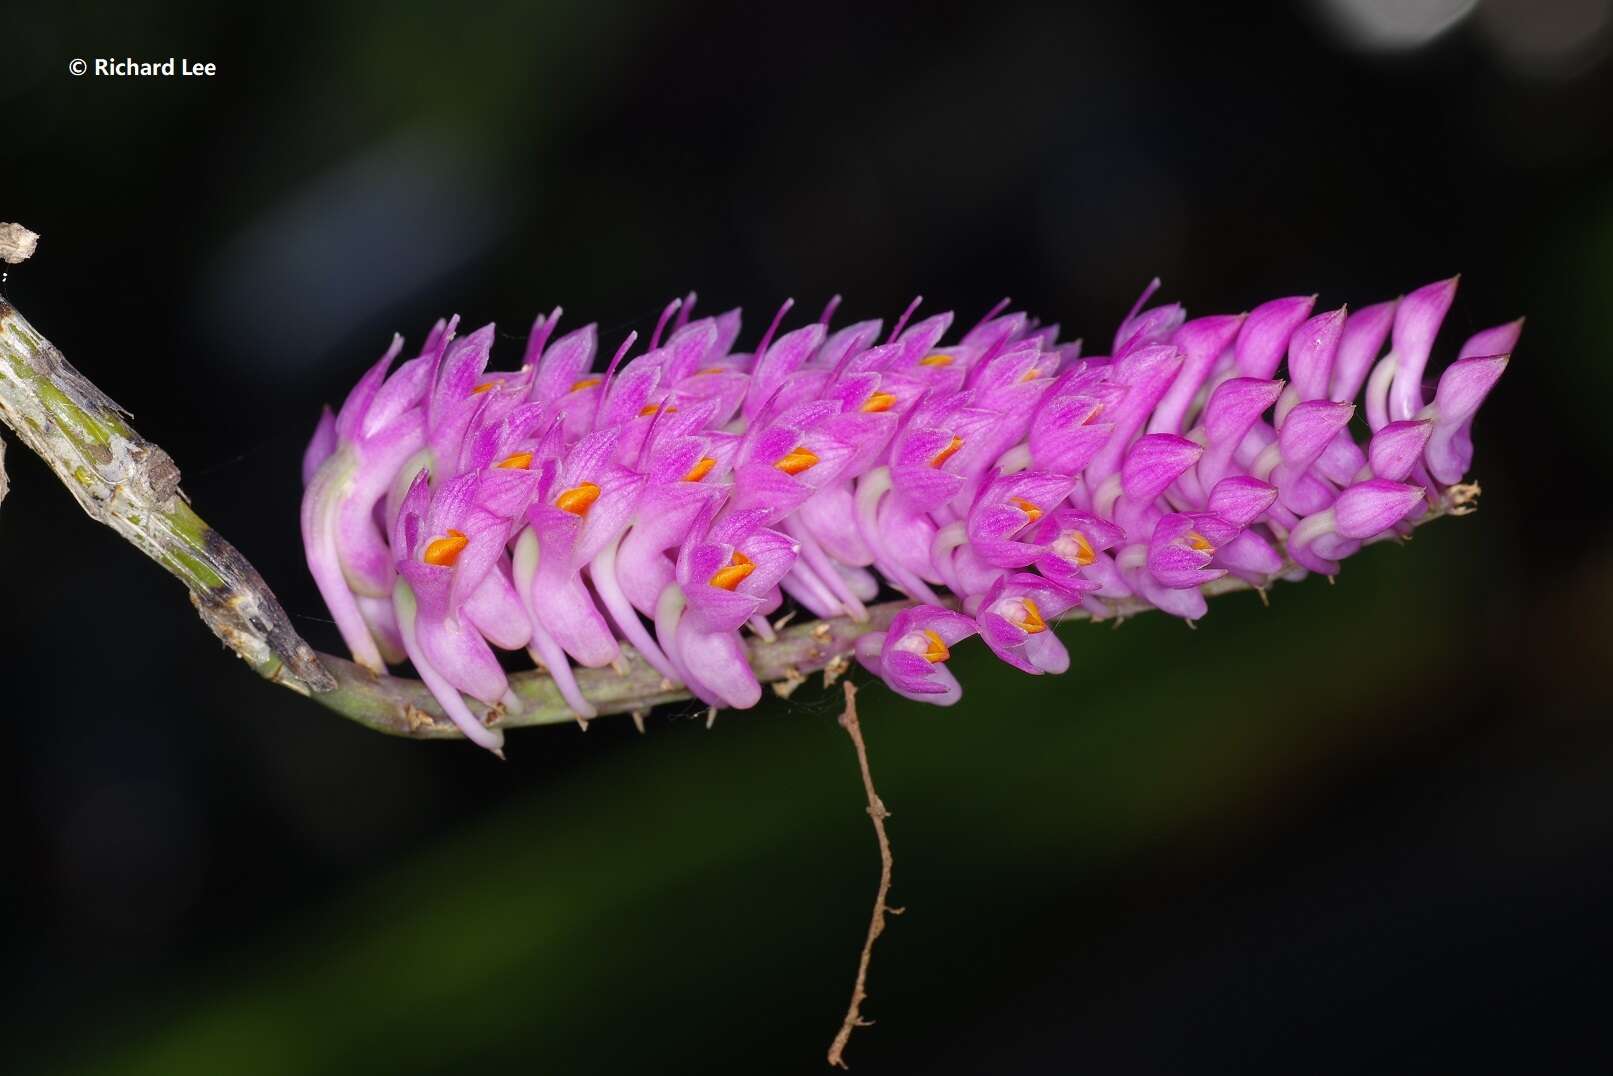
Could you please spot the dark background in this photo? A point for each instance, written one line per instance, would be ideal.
(1369, 828)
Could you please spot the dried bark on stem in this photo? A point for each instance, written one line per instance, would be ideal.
(17, 244)
(132, 486)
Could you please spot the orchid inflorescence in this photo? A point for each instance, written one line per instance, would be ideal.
(673, 501)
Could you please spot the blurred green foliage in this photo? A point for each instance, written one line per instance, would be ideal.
(696, 897)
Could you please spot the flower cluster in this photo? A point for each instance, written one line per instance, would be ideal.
(674, 500)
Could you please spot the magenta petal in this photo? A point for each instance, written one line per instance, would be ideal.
(913, 677)
(921, 338)
(1360, 344)
(618, 500)
(903, 663)
(771, 553)
(1308, 544)
(1066, 433)
(781, 360)
(923, 488)
(1154, 326)
(495, 609)
(846, 342)
(713, 609)
(1031, 492)
(462, 366)
(405, 390)
(644, 571)
(382, 619)
(1047, 652)
(1308, 429)
(666, 517)
(1250, 555)
(1146, 373)
(321, 508)
(629, 393)
(761, 485)
(989, 336)
(1179, 553)
(538, 338)
(567, 611)
(1016, 617)
(1462, 389)
(1311, 352)
(350, 419)
(1263, 339)
(444, 692)
(1006, 641)
(868, 650)
(1396, 448)
(1341, 461)
(690, 349)
(1233, 408)
(1154, 462)
(990, 536)
(1372, 507)
(564, 363)
(1500, 340)
(1185, 602)
(953, 627)
(1202, 342)
(865, 437)
(719, 662)
(459, 652)
(320, 447)
(1241, 499)
(831, 516)
(1417, 322)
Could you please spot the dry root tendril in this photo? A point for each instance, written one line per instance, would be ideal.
(877, 812)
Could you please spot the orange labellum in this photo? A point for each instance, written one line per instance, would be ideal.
(1083, 549)
(879, 401)
(585, 383)
(1032, 511)
(518, 462)
(1033, 622)
(738, 568)
(701, 469)
(937, 651)
(937, 360)
(946, 453)
(798, 459)
(444, 552)
(578, 499)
